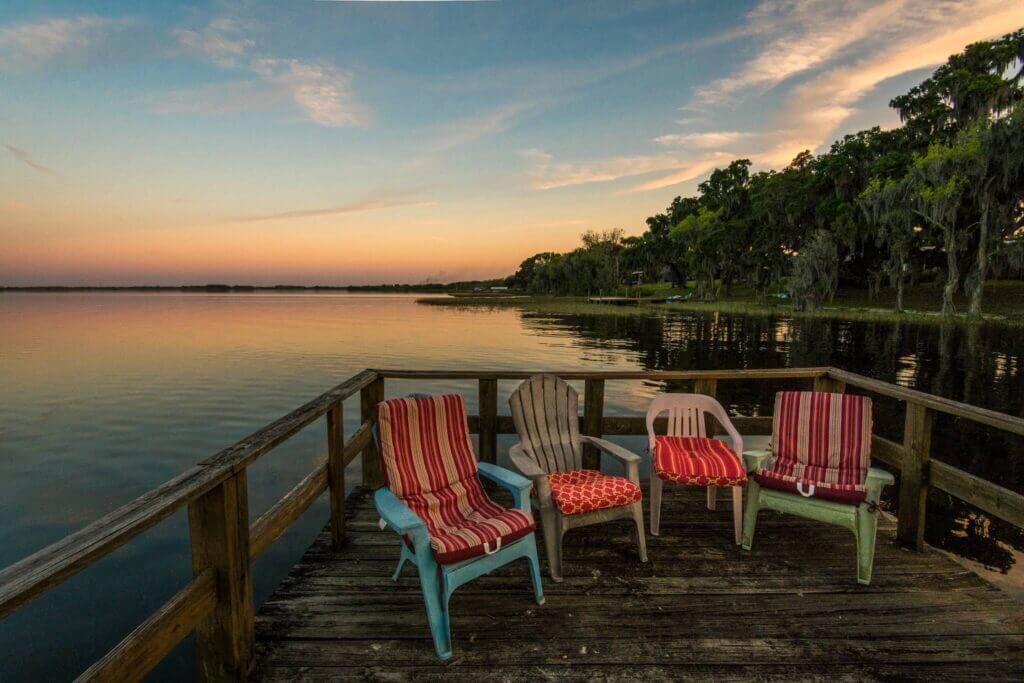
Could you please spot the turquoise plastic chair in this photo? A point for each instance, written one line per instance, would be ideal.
(439, 581)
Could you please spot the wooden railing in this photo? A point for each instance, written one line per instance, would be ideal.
(217, 604)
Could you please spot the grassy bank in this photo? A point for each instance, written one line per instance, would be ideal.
(1004, 305)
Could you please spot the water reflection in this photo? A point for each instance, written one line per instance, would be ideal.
(103, 396)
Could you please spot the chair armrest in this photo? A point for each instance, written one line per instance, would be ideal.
(876, 480)
(524, 463)
(519, 485)
(397, 514)
(529, 467)
(629, 459)
(753, 460)
(621, 454)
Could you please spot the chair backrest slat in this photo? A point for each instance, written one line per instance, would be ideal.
(686, 414)
(545, 411)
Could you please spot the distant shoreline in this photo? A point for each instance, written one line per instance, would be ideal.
(215, 288)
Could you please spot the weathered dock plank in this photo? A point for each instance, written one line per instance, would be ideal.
(791, 608)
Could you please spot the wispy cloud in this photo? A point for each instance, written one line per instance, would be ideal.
(26, 158)
(817, 107)
(472, 128)
(704, 140)
(221, 41)
(546, 174)
(29, 45)
(801, 35)
(353, 207)
(320, 90)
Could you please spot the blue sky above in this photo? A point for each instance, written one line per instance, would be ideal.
(342, 142)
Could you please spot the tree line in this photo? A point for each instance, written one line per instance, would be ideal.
(937, 199)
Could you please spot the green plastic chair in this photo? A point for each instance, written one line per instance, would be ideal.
(804, 444)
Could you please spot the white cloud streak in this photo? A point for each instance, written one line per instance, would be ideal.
(546, 174)
(321, 91)
(29, 45)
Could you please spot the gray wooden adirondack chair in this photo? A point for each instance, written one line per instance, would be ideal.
(545, 411)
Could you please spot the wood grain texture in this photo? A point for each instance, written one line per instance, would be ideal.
(488, 422)
(238, 456)
(994, 499)
(155, 638)
(791, 608)
(737, 374)
(219, 539)
(1008, 423)
(47, 568)
(913, 496)
(593, 420)
(369, 397)
(336, 471)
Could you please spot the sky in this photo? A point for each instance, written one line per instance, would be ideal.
(360, 142)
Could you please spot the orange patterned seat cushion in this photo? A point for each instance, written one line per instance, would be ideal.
(579, 491)
(697, 461)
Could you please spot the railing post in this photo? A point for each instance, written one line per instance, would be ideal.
(336, 472)
(914, 472)
(369, 397)
(708, 387)
(829, 385)
(488, 400)
(593, 416)
(219, 539)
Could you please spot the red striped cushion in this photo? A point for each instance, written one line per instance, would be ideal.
(697, 461)
(820, 439)
(429, 464)
(579, 491)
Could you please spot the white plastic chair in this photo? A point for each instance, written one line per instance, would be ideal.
(687, 417)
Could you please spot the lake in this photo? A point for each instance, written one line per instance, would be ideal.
(105, 395)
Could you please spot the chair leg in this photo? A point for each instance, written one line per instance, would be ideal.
(401, 563)
(656, 486)
(750, 513)
(552, 542)
(712, 497)
(867, 530)
(531, 557)
(437, 608)
(737, 512)
(641, 537)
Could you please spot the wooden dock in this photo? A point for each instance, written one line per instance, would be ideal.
(789, 609)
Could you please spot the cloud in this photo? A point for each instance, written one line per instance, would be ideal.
(469, 129)
(25, 158)
(704, 140)
(546, 174)
(218, 42)
(321, 91)
(805, 34)
(30, 45)
(816, 108)
(353, 207)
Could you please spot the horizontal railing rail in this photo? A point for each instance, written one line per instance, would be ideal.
(217, 603)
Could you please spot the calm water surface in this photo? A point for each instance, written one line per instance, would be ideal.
(103, 396)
